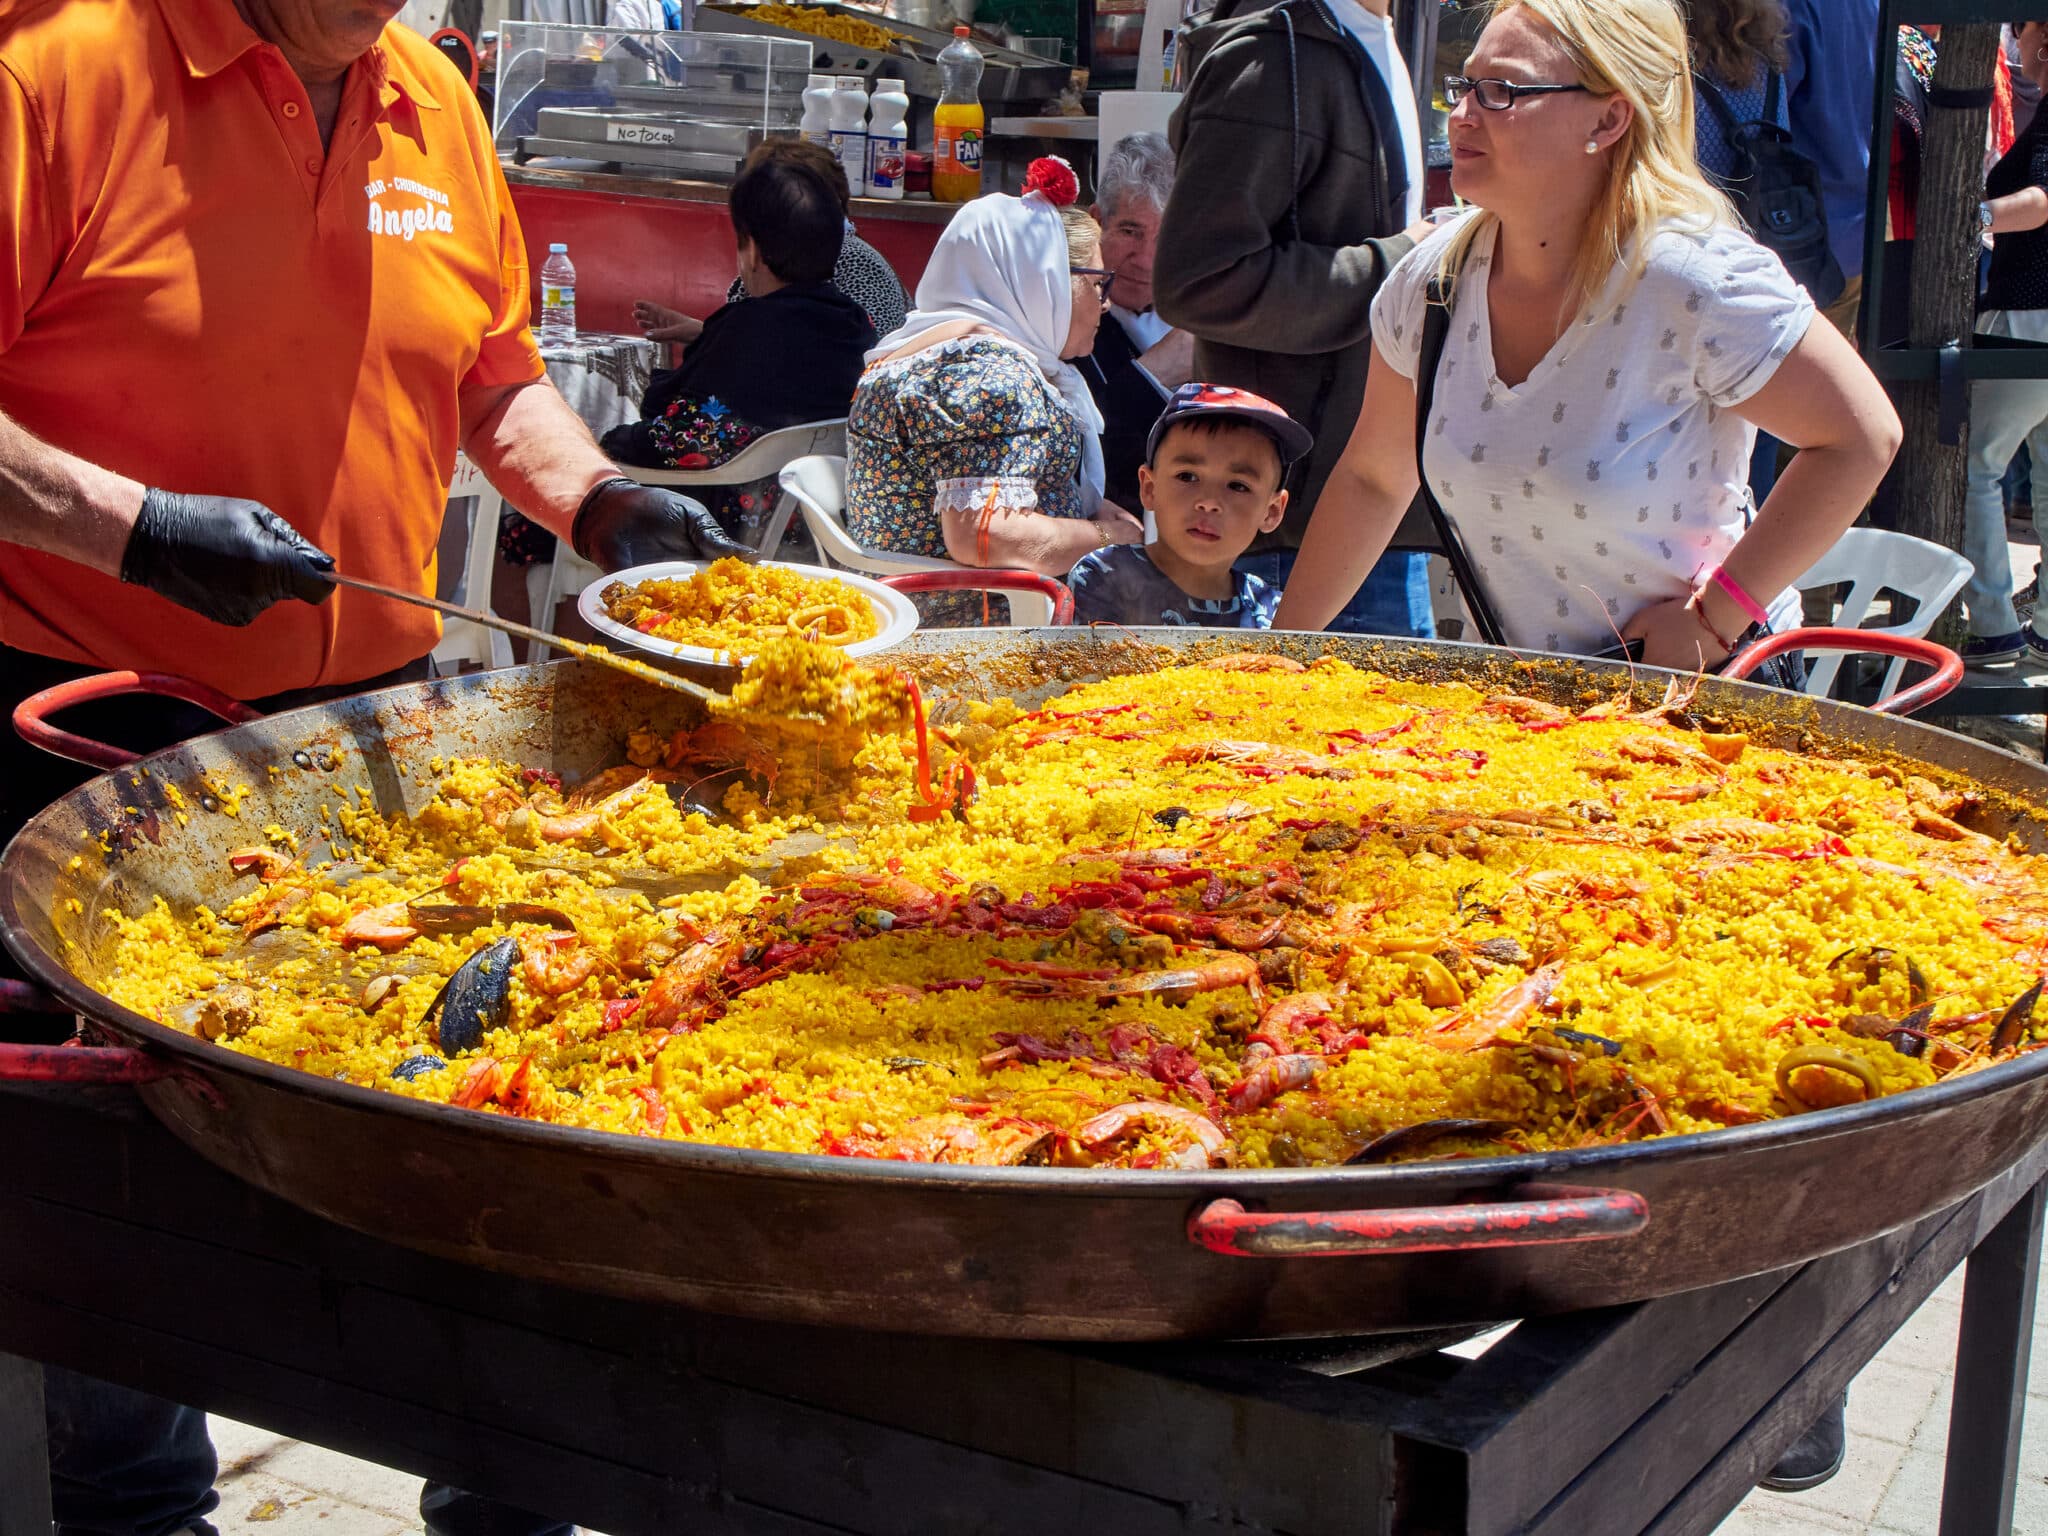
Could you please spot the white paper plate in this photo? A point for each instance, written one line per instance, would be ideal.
(893, 610)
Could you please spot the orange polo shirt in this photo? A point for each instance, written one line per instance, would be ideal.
(194, 293)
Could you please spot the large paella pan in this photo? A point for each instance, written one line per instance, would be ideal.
(1029, 1251)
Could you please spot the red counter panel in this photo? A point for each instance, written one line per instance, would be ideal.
(671, 250)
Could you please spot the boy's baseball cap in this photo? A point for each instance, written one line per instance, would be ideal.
(1213, 400)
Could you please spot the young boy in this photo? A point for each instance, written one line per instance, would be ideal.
(1214, 465)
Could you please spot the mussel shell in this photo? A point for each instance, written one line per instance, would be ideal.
(476, 999)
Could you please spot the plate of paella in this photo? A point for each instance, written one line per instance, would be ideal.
(724, 611)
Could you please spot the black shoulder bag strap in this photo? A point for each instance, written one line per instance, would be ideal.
(1717, 105)
(1436, 328)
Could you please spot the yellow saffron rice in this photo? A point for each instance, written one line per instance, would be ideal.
(1197, 916)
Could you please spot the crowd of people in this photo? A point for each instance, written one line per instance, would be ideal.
(1235, 391)
(1628, 422)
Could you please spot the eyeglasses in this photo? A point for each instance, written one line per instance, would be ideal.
(1103, 276)
(1496, 95)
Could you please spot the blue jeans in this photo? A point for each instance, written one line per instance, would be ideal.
(1393, 601)
(123, 1463)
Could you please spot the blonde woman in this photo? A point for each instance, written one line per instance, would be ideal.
(1615, 342)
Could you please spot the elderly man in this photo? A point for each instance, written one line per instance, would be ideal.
(1139, 360)
(260, 279)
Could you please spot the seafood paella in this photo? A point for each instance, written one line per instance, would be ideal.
(1242, 912)
(733, 605)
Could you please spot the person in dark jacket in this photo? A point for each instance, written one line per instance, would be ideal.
(790, 353)
(862, 273)
(1298, 185)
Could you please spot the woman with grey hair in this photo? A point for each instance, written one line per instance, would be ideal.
(1139, 358)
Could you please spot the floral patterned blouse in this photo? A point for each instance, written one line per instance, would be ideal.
(972, 407)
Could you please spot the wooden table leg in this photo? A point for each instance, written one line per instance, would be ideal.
(1990, 1394)
(24, 1450)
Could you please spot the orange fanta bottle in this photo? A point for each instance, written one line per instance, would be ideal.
(958, 123)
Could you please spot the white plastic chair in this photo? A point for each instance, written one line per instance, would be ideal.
(569, 573)
(764, 456)
(461, 640)
(1874, 561)
(818, 483)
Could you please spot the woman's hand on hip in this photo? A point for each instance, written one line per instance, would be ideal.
(1674, 637)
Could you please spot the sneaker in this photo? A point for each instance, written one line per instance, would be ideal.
(1984, 650)
(1816, 1455)
(2037, 646)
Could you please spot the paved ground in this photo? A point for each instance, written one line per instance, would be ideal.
(1898, 1413)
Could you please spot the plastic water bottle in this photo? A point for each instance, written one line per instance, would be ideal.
(557, 298)
(887, 130)
(957, 122)
(850, 131)
(816, 126)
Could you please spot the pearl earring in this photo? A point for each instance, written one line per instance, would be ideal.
(1592, 146)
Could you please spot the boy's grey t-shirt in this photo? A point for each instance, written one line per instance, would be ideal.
(1121, 585)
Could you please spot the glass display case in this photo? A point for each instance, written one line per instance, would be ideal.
(685, 103)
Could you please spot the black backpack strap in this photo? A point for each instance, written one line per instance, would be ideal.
(1774, 88)
(1704, 90)
(1436, 329)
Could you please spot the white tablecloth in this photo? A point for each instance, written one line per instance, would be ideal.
(603, 377)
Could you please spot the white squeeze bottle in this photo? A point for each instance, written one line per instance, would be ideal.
(850, 131)
(887, 119)
(816, 126)
(557, 298)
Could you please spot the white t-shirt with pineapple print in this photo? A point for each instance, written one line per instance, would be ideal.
(1609, 477)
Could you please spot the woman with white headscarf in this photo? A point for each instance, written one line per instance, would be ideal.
(971, 436)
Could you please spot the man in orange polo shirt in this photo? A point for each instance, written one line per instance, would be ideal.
(260, 279)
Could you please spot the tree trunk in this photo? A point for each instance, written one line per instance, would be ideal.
(1933, 475)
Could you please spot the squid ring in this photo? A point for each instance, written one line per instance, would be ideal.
(1834, 1060)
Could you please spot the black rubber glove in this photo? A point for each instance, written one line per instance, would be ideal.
(224, 558)
(622, 523)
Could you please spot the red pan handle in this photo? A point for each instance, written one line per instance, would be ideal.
(977, 580)
(79, 1065)
(1948, 666)
(32, 726)
(26, 997)
(1553, 1213)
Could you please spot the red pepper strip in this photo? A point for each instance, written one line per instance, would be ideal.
(1826, 848)
(955, 789)
(656, 1109)
(1374, 738)
(1048, 968)
(618, 1010)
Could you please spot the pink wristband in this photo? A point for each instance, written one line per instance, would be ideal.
(1751, 608)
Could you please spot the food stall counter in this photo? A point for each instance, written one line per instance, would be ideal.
(669, 240)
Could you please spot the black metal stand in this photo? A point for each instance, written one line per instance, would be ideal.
(123, 1255)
